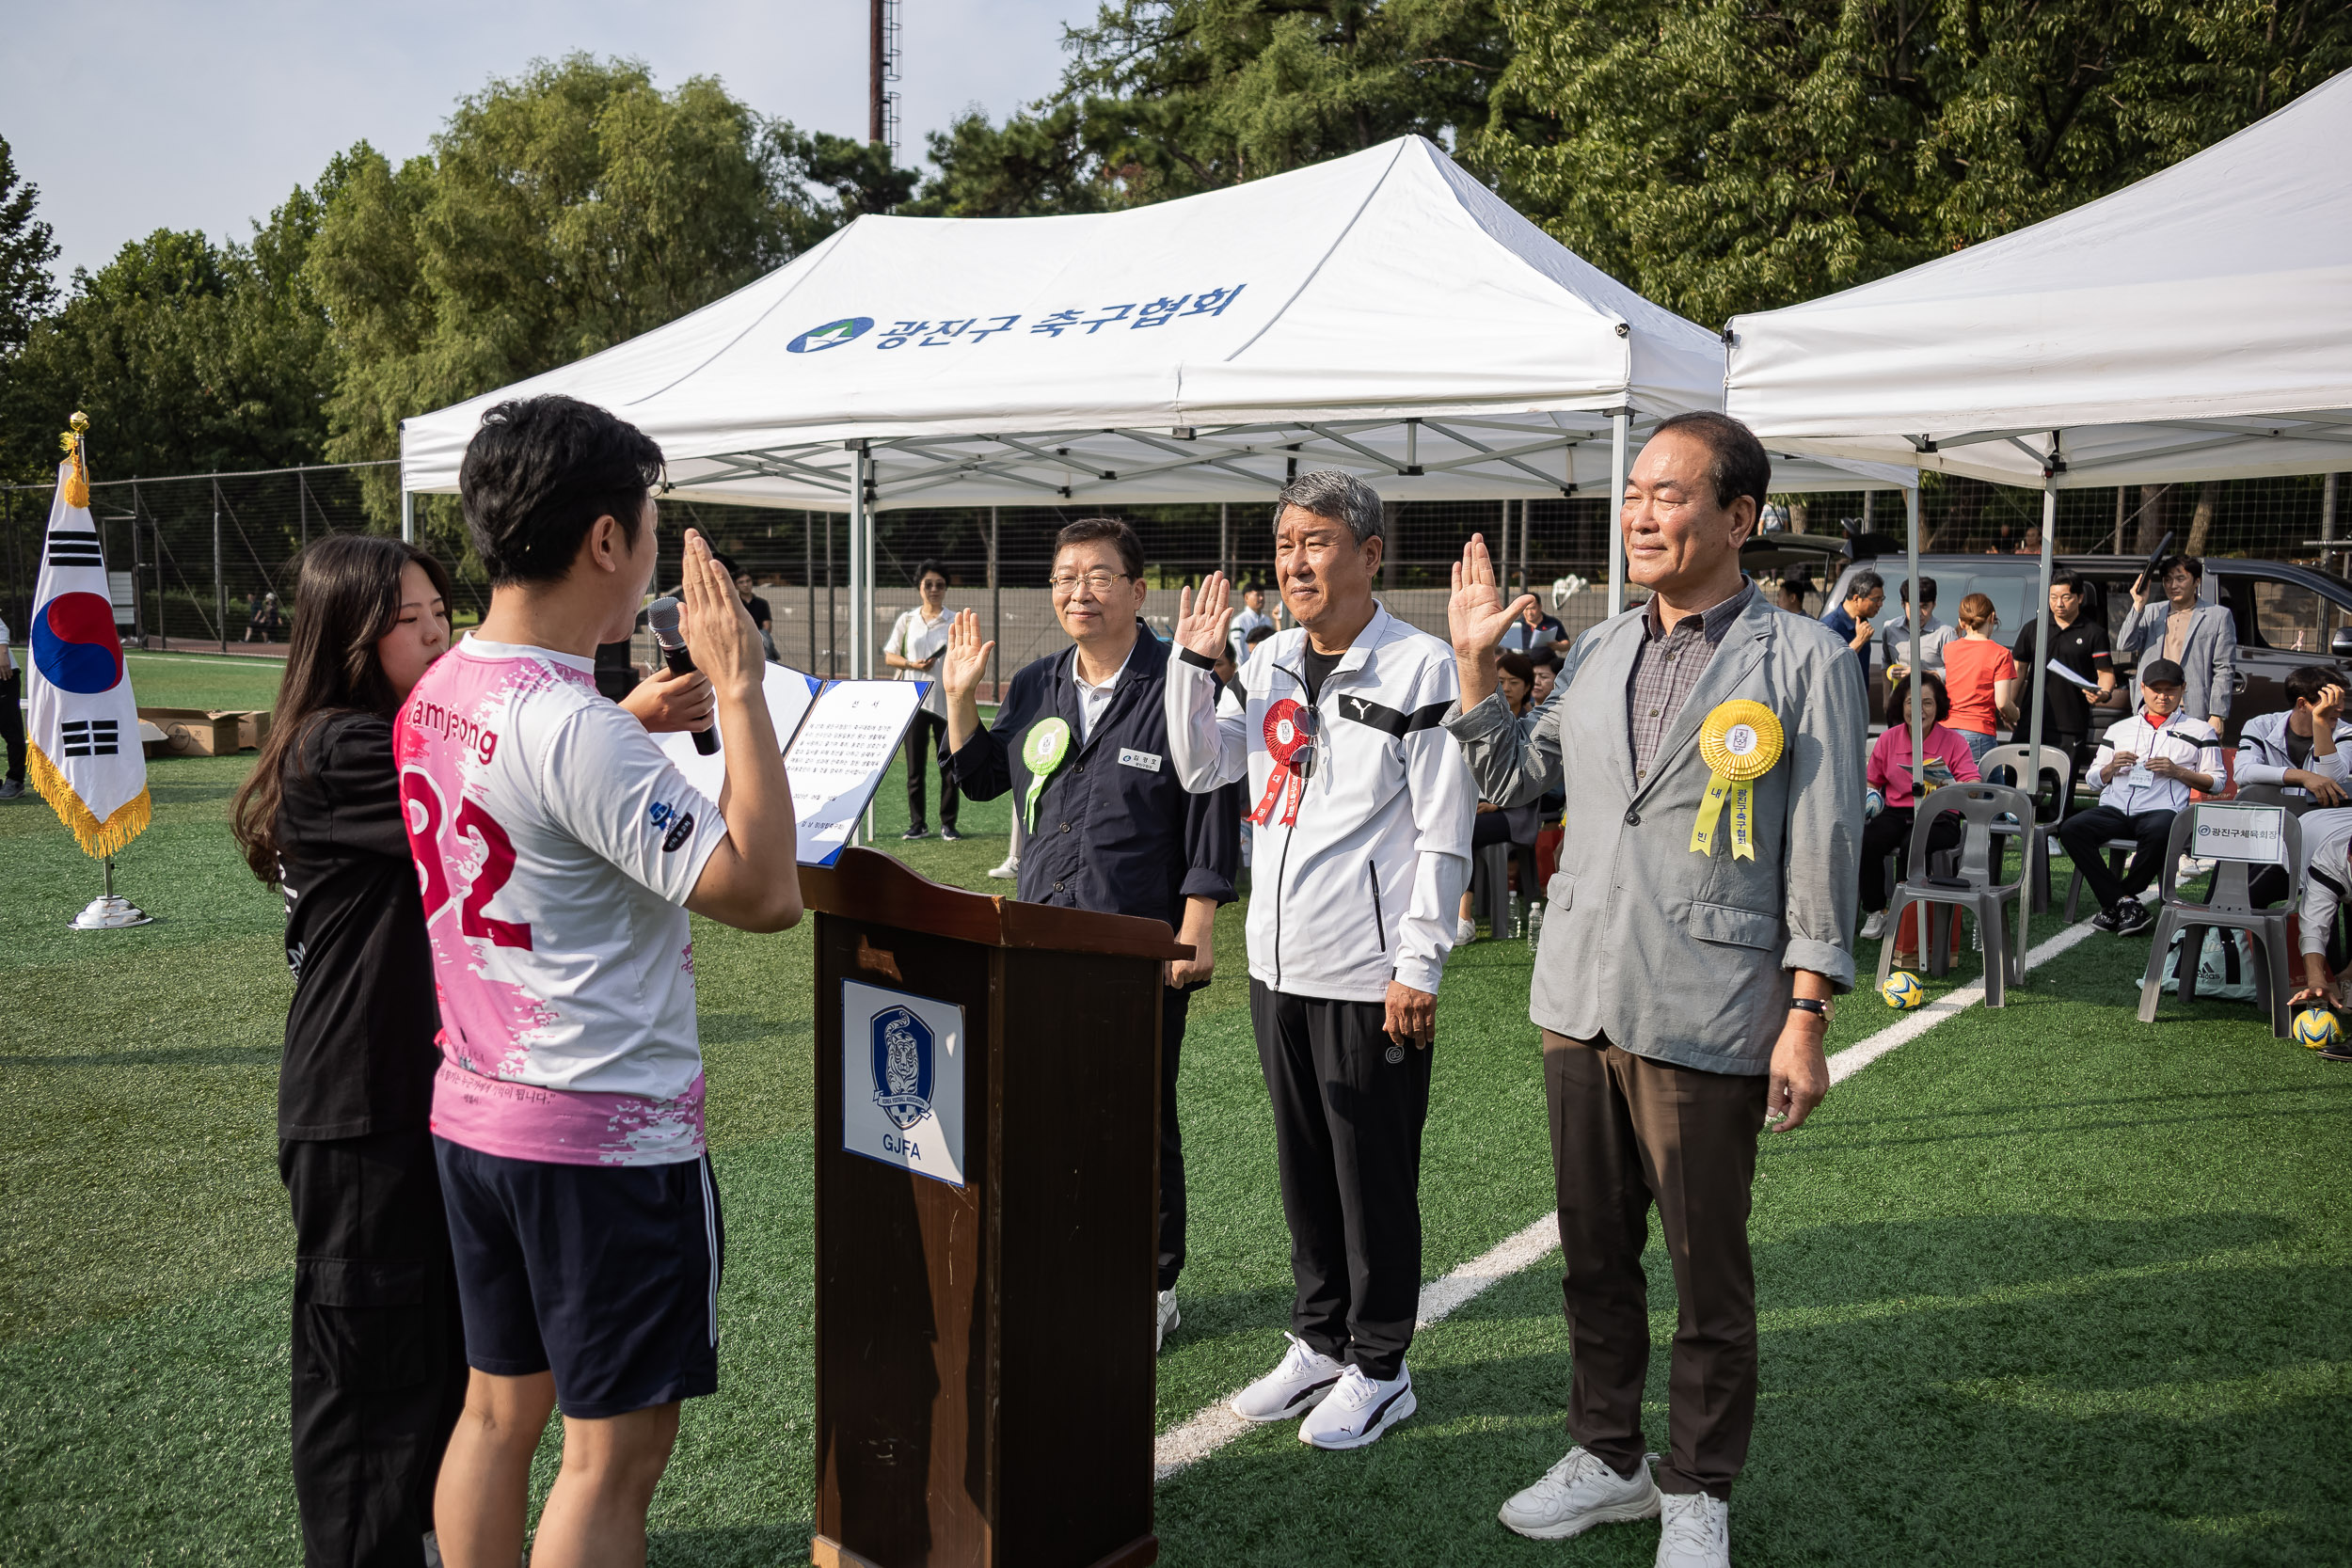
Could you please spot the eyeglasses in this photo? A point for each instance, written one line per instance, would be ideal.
(1098, 581)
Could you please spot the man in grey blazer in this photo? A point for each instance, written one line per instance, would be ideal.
(2201, 638)
(1683, 980)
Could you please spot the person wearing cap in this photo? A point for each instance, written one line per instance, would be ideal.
(2145, 768)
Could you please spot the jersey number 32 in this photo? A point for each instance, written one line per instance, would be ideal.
(436, 838)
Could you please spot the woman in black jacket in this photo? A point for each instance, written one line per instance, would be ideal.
(379, 1363)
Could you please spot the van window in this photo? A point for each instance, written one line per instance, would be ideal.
(2284, 616)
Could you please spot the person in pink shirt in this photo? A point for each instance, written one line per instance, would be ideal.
(1949, 761)
(558, 851)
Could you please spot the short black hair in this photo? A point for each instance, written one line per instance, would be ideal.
(1898, 700)
(1086, 530)
(2068, 579)
(2195, 566)
(539, 473)
(930, 568)
(1256, 636)
(1863, 584)
(1740, 467)
(2305, 682)
(1926, 590)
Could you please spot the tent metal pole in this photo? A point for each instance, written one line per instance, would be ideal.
(872, 660)
(1918, 675)
(408, 516)
(1620, 430)
(995, 609)
(2042, 620)
(857, 561)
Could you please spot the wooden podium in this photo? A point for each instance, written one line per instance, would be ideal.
(985, 1292)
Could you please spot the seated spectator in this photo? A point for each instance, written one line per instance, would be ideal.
(1982, 677)
(1547, 665)
(1514, 678)
(1866, 596)
(2145, 768)
(1533, 632)
(2327, 883)
(2302, 749)
(1895, 641)
(1948, 760)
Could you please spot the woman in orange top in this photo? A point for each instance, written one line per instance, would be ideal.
(1980, 676)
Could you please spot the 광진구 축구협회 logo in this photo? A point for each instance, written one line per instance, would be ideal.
(1135, 315)
(902, 1065)
(832, 334)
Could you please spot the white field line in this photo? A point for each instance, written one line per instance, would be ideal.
(1214, 1426)
(249, 661)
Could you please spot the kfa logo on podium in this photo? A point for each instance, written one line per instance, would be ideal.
(902, 1079)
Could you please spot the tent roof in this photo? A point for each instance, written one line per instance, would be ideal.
(2192, 325)
(1191, 350)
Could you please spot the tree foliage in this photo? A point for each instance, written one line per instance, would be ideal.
(1165, 98)
(1728, 155)
(26, 248)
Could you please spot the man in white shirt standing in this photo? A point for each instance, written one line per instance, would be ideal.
(1251, 616)
(11, 720)
(2145, 768)
(913, 649)
(1363, 816)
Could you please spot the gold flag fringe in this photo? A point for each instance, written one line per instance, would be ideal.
(97, 839)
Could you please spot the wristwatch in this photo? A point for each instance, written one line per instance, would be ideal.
(1809, 1004)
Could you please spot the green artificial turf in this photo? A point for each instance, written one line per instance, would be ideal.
(203, 681)
(2043, 1285)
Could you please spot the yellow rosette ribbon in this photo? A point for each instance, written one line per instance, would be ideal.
(1742, 742)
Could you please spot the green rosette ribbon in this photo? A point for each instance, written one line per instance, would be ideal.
(1043, 749)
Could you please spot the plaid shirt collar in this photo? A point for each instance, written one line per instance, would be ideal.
(1712, 622)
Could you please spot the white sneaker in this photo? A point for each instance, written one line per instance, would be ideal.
(1169, 1318)
(1578, 1492)
(1358, 1409)
(1009, 871)
(1465, 932)
(1874, 926)
(1694, 1532)
(1303, 1377)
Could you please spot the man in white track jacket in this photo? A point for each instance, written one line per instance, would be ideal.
(1363, 809)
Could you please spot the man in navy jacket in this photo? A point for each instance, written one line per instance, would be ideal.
(1081, 741)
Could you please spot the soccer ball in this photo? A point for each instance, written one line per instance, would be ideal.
(1903, 991)
(2315, 1027)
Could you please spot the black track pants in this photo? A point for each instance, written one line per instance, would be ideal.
(379, 1351)
(1173, 1006)
(1349, 1104)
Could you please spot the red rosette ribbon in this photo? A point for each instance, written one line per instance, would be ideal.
(1289, 731)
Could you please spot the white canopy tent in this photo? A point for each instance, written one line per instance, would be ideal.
(1383, 314)
(2192, 327)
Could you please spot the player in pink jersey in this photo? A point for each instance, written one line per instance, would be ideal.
(559, 852)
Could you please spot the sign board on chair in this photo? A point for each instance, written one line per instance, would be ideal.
(2254, 835)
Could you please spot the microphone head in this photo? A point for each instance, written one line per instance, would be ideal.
(661, 615)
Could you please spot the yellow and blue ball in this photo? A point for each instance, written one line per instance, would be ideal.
(2315, 1027)
(1903, 991)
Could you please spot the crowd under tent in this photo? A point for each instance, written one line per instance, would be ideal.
(2191, 326)
(1383, 314)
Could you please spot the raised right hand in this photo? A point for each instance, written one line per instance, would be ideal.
(1202, 624)
(966, 655)
(717, 624)
(1475, 616)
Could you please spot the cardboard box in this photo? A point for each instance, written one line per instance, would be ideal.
(191, 731)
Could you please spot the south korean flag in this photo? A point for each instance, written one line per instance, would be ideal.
(85, 754)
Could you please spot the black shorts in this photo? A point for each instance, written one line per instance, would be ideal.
(605, 1275)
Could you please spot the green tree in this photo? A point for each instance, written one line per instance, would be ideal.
(26, 248)
(188, 356)
(1730, 155)
(1165, 98)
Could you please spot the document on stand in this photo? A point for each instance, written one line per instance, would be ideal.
(837, 760)
(789, 693)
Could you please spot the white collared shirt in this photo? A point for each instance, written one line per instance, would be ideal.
(1094, 701)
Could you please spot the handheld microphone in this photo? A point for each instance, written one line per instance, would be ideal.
(661, 615)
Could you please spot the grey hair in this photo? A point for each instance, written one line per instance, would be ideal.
(1329, 493)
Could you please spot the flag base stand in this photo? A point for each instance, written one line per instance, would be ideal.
(108, 913)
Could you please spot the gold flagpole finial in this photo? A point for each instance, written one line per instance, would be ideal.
(77, 484)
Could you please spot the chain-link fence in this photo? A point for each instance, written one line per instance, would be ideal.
(195, 557)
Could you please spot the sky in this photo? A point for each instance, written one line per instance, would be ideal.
(203, 114)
